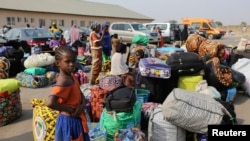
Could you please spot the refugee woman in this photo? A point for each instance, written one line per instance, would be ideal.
(106, 43)
(96, 51)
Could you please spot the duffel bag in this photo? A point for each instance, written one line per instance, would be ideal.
(32, 81)
(222, 77)
(185, 63)
(43, 121)
(154, 67)
(35, 71)
(110, 82)
(10, 107)
(193, 42)
(193, 111)
(121, 99)
(162, 130)
(211, 48)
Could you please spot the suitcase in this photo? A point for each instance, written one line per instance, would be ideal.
(185, 63)
(154, 67)
(169, 50)
(159, 88)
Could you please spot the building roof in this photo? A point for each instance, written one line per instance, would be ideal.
(75, 7)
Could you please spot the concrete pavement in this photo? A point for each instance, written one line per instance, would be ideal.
(21, 129)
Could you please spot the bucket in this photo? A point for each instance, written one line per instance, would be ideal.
(142, 95)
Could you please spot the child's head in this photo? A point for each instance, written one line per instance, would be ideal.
(129, 80)
(65, 59)
(115, 36)
(121, 48)
(139, 54)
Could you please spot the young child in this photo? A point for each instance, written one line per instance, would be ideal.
(54, 43)
(66, 97)
(138, 55)
(115, 43)
(128, 80)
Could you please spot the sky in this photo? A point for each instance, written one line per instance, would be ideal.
(229, 12)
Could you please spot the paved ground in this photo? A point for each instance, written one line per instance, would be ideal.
(21, 129)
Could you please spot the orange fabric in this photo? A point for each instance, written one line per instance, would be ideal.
(71, 96)
(161, 42)
(93, 38)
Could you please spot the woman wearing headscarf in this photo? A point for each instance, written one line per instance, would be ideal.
(106, 43)
(95, 41)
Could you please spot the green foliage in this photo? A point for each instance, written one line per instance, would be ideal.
(243, 24)
(219, 23)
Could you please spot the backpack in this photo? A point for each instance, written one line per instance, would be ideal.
(121, 99)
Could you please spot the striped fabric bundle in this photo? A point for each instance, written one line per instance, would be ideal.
(192, 111)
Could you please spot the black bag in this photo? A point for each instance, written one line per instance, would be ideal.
(159, 88)
(185, 63)
(121, 99)
(230, 107)
(14, 53)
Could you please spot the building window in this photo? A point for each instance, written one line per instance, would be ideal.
(61, 22)
(90, 23)
(53, 21)
(26, 20)
(42, 22)
(82, 23)
(11, 20)
(73, 22)
(32, 20)
(19, 19)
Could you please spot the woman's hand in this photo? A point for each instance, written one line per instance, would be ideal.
(78, 110)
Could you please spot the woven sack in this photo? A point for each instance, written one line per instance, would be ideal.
(39, 60)
(192, 111)
(44, 121)
(10, 107)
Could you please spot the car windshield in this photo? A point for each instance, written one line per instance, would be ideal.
(139, 27)
(162, 26)
(39, 32)
(213, 24)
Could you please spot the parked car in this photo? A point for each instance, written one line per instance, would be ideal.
(30, 36)
(126, 31)
(167, 30)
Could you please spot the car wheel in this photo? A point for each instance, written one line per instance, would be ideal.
(210, 36)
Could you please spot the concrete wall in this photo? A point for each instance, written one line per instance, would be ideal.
(49, 16)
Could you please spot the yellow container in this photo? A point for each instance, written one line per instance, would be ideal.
(189, 82)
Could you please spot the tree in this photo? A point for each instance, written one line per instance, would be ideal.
(173, 21)
(243, 24)
(219, 23)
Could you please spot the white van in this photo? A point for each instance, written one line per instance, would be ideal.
(166, 29)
